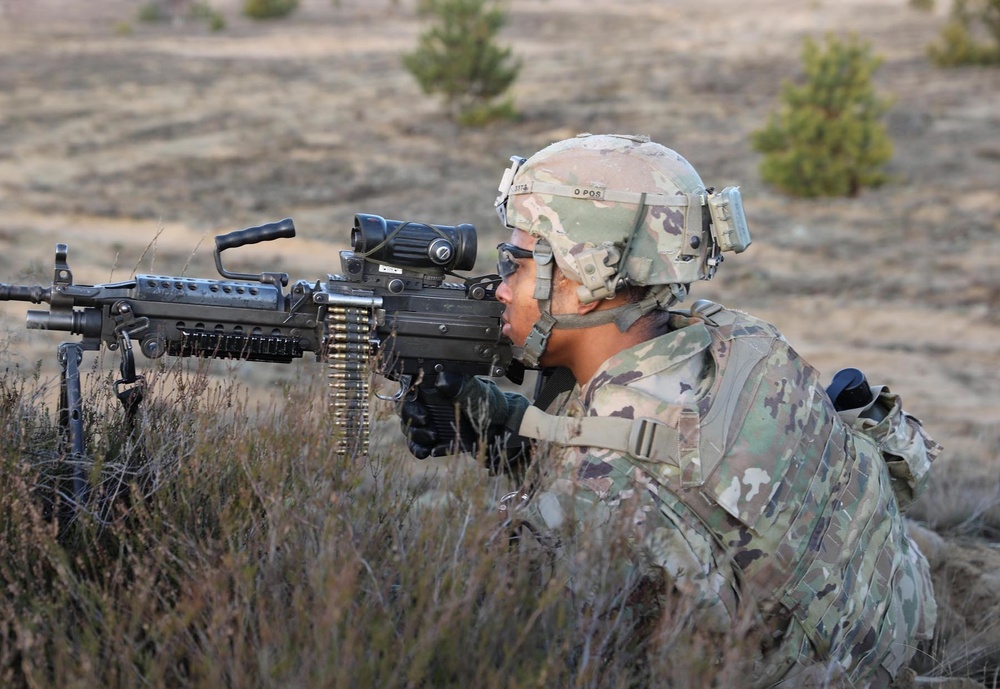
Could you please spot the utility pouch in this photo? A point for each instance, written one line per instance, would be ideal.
(905, 446)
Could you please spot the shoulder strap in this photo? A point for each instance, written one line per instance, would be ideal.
(645, 438)
(552, 382)
(713, 313)
(705, 431)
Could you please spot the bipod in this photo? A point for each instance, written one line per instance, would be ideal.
(130, 391)
(71, 418)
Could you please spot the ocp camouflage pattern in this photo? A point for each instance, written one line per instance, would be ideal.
(770, 499)
(669, 246)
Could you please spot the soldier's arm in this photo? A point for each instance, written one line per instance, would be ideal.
(614, 525)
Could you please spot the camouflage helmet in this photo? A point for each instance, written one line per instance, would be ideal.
(622, 210)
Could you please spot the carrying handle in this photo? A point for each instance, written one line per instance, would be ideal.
(254, 235)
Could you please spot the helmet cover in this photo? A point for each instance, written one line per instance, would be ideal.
(613, 207)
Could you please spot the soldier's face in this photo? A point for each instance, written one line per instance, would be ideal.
(515, 292)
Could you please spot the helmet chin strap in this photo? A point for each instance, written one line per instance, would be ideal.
(661, 297)
(538, 338)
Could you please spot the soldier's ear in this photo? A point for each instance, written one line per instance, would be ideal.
(583, 309)
(569, 288)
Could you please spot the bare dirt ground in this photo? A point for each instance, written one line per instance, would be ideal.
(173, 133)
(159, 138)
(169, 134)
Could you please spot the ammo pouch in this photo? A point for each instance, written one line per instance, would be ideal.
(906, 448)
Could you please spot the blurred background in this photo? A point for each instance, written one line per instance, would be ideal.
(137, 138)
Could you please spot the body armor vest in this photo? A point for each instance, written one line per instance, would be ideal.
(800, 507)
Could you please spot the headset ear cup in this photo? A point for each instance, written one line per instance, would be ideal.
(729, 222)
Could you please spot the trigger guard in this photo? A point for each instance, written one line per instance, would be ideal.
(399, 396)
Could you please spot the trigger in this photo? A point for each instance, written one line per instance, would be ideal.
(405, 391)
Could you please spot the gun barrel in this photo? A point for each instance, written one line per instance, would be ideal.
(86, 322)
(36, 294)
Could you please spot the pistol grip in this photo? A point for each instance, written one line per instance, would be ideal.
(451, 428)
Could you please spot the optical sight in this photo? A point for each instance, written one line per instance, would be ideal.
(413, 244)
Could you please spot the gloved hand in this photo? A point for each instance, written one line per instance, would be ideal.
(488, 419)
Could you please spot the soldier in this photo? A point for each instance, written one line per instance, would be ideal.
(702, 431)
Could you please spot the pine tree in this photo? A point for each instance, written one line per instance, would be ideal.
(459, 58)
(269, 9)
(971, 36)
(827, 139)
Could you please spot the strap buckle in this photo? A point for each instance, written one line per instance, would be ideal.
(643, 442)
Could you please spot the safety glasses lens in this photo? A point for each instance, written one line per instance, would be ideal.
(507, 263)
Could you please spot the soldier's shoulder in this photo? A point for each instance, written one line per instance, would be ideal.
(731, 321)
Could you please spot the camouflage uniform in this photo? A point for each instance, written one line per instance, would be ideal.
(715, 444)
(756, 490)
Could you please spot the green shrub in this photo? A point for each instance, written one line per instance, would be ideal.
(179, 11)
(480, 115)
(269, 9)
(971, 36)
(153, 11)
(827, 138)
(204, 12)
(459, 58)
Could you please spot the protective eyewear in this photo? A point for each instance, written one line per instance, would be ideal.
(507, 259)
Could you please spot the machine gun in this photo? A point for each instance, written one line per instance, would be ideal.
(390, 311)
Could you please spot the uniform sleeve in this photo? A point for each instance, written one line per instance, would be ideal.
(612, 521)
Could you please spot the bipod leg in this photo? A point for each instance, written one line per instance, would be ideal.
(71, 418)
(130, 390)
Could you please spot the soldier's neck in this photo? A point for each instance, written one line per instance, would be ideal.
(584, 351)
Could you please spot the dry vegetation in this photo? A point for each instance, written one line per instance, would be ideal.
(259, 559)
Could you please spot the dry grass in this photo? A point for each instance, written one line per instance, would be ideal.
(963, 497)
(962, 505)
(242, 552)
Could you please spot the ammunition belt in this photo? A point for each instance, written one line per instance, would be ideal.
(347, 352)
